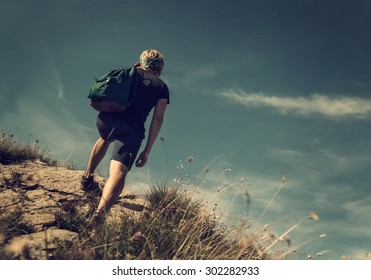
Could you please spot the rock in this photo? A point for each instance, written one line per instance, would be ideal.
(39, 244)
(34, 194)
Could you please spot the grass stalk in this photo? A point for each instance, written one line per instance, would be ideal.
(283, 180)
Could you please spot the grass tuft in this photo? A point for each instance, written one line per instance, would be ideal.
(13, 151)
(176, 227)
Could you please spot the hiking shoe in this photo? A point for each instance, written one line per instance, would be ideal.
(88, 184)
(97, 221)
(94, 225)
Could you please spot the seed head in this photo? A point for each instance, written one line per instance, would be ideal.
(283, 179)
(313, 216)
(268, 235)
(323, 252)
(266, 226)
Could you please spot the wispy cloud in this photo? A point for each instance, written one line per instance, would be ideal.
(359, 210)
(316, 104)
(55, 78)
(191, 79)
(51, 121)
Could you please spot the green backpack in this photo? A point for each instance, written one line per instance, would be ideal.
(114, 91)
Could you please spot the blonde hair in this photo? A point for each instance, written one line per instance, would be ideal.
(152, 60)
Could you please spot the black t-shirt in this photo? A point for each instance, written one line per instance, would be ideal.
(150, 88)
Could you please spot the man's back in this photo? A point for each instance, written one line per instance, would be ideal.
(150, 88)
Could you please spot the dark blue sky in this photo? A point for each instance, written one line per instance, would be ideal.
(283, 86)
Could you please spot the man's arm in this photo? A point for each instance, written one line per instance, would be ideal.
(156, 123)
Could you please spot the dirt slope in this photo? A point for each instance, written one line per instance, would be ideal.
(35, 192)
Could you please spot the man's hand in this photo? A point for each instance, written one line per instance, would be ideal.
(142, 159)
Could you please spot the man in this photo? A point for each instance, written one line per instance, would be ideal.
(126, 130)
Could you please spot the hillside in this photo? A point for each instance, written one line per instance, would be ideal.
(33, 199)
(44, 214)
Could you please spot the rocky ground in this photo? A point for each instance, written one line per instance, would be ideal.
(36, 192)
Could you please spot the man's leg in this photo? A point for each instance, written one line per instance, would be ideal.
(113, 187)
(97, 154)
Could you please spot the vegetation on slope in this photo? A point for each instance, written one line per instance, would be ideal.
(173, 225)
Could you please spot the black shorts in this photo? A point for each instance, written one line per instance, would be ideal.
(113, 128)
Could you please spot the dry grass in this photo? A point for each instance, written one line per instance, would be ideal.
(176, 226)
(13, 151)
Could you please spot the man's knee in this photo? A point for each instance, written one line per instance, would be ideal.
(103, 142)
(119, 167)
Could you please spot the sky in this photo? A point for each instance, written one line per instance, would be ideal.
(260, 90)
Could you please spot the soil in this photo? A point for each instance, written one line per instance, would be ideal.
(35, 192)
